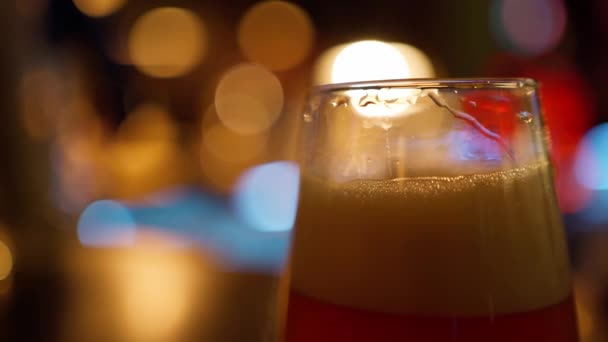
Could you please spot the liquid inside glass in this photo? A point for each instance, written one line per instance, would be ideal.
(435, 254)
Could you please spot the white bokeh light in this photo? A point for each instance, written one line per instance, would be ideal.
(369, 60)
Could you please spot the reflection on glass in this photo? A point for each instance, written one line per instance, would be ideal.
(427, 213)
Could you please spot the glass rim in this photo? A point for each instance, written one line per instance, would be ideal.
(432, 83)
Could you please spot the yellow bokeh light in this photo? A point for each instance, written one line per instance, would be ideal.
(155, 288)
(145, 144)
(276, 34)
(98, 8)
(249, 99)
(229, 146)
(369, 60)
(147, 121)
(79, 140)
(6, 261)
(167, 42)
(139, 161)
(225, 155)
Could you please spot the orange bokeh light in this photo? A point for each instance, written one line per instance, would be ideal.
(167, 42)
(276, 34)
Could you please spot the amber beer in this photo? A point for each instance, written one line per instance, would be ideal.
(478, 257)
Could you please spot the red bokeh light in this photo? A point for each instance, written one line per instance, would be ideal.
(493, 109)
(568, 111)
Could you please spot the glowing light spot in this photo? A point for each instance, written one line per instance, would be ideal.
(248, 99)
(98, 8)
(276, 34)
(106, 223)
(232, 147)
(147, 121)
(324, 64)
(267, 196)
(571, 194)
(167, 42)
(591, 165)
(6, 261)
(419, 64)
(77, 156)
(529, 27)
(145, 144)
(367, 61)
(371, 61)
(221, 172)
(156, 289)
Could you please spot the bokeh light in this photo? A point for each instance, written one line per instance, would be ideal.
(419, 64)
(106, 223)
(361, 66)
(77, 154)
(372, 60)
(148, 120)
(144, 145)
(220, 165)
(78, 174)
(591, 165)
(156, 291)
(276, 34)
(167, 42)
(249, 99)
(324, 64)
(6, 261)
(98, 8)
(227, 145)
(369, 60)
(267, 196)
(568, 104)
(529, 28)
(139, 167)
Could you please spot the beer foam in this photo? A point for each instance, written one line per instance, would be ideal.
(479, 244)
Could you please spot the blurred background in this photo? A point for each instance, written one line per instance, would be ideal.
(148, 147)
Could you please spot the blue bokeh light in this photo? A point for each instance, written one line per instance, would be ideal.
(186, 217)
(591, 165)
(106, 223)
(266, 196)
(205, 220)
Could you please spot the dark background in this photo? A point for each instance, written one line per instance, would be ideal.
(456, 35)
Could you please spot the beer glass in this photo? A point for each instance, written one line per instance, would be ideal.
(427, 212)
